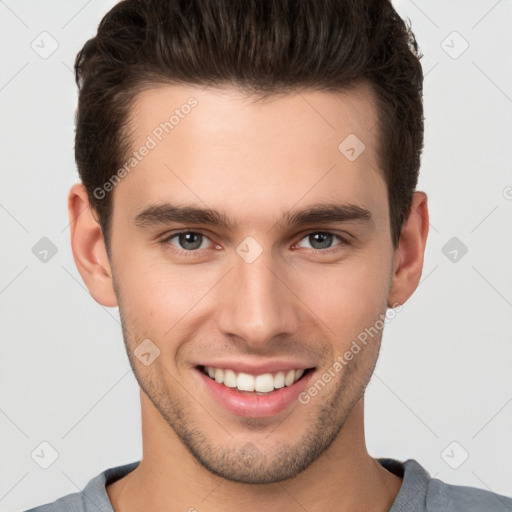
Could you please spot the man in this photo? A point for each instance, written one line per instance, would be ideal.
(247, 199)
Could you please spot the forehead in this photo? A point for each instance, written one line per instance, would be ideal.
(214, 146)
(227, 111)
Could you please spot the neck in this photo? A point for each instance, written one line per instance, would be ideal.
(343, 478)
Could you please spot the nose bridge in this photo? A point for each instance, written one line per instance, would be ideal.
(256, 305)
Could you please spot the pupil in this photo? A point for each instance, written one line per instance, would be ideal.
(325, 240)
(186, 243)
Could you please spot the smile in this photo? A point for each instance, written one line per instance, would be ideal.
(254, 384)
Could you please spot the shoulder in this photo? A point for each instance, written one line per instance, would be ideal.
(93, 498)
(70, 503)
(442, 497)
(421, 492)
(448, 497)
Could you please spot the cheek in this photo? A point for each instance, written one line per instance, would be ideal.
(157, 295)
(161, 298)
(347, 297)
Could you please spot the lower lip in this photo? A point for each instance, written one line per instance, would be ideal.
(255, 406)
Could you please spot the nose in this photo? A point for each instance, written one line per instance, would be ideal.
(255, 303)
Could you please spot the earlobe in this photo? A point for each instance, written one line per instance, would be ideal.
(88, 247)
(408, 259)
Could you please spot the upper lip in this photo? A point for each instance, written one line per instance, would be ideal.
(258, 368)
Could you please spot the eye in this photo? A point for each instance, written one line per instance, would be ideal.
(188, 241)
(322, 240)
(191, 242)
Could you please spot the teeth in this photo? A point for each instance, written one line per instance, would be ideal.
(219, 375)
(245, 382)
(264, 383)
(279, 380)
(230, 378)
(290, 376)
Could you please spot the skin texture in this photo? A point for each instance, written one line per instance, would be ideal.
(255, 161)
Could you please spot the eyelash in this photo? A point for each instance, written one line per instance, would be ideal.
(166, 242)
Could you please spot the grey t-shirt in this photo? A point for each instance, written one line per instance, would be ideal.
(418, 493)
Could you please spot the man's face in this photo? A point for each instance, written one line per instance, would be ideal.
(260, 293)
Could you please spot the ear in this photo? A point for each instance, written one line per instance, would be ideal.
(88, 247)
(408, 259)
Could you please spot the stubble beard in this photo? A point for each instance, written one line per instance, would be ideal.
(252, 462)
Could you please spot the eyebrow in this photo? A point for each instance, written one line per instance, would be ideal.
(166, 213)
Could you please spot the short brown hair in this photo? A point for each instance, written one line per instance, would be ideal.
(258, 46)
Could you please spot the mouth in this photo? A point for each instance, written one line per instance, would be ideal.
(255, 395)
(257, 385)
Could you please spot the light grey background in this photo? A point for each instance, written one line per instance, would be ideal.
(444, 374)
